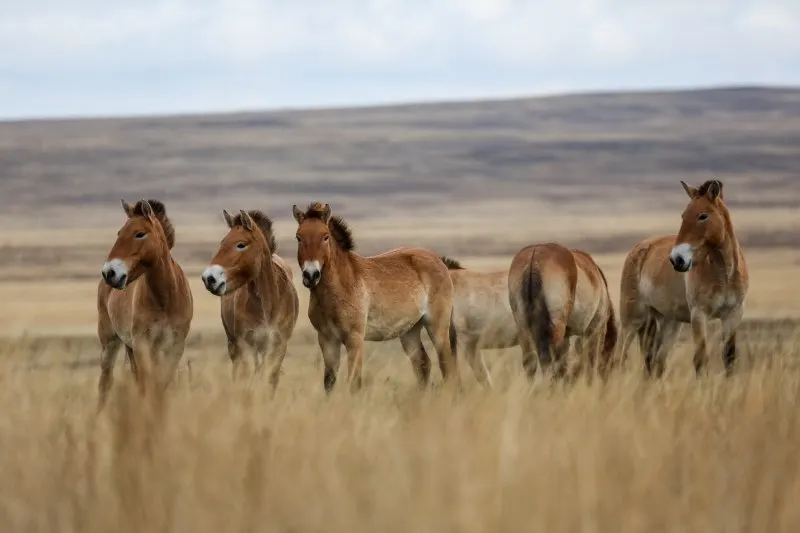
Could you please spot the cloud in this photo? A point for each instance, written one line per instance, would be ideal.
(75, 55)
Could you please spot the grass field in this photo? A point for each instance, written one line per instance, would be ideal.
(598, 172)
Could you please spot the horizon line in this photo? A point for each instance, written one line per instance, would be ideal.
(389, 104)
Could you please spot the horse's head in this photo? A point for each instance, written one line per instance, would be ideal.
(241, 253)
(146, 237)
(703, 224)
(313, 241)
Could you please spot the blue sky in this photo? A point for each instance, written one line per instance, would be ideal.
(120, 57)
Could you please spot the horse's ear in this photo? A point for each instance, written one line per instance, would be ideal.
(326, 213)
(228, 218)
(298, 215)
(714, 190)
(247, 221)
(691, 191)
(126, 207)
(147, 209)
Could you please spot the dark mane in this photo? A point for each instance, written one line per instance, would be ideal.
(161, 214)
(451, 263)
(264, 223)
(703, 189)
(339, 229)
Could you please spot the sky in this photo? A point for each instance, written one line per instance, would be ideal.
(122, 57)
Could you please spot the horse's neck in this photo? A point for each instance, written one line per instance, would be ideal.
(725, 257)
(162, 282)
(340, 274)
(264, 285)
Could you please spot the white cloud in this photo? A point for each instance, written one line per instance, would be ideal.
(342, 46)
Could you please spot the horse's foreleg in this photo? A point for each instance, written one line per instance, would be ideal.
(108, 357)
(235, 355)
(700, 334)
(475, 360)
(276, 353)
(355, 359)
(729, 327)
(331, 356)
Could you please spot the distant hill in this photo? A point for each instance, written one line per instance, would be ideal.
(563, 148)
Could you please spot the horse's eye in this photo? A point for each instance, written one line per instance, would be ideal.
(702, 217)
(140, 235)
(241, 246)
(298, 238)
(325, 238)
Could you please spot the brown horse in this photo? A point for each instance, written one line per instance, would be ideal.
(144, 300)
(557, 293)
(259, 303)
(695, 276)
(355, 298)
(482, 315)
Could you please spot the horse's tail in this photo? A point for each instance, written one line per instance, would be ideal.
(453, 335)
(451, 263)
(536, 313)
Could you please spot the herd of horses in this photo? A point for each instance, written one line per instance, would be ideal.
(547, 296)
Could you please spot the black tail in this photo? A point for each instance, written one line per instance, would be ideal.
(536, 313)
(453, 336)
(451, 263)
(612, 334)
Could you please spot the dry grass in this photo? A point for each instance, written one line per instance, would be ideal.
(596, 172)
(713, 455)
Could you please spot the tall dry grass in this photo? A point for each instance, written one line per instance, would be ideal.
(678, 455)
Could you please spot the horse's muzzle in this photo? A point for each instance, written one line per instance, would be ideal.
(679, 263)
(311, 279)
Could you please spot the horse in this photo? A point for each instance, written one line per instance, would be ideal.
(259, 303)
(557, 293)
(482, 315)
(143, 301)
(693, 277)
(354, 298)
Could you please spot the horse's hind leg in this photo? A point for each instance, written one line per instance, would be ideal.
(438, 329)
(412, 346)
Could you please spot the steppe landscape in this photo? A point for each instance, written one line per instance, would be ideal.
(475, 181)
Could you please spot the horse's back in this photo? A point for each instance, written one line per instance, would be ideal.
(408, 267)
(650, 282)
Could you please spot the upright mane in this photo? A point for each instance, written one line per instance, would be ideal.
(451, 263)
(339, 229)
(703, 189)
(264, 223)
(161, 214)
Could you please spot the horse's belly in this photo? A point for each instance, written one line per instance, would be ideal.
(668, 298)
(498, 331)
(383, 327)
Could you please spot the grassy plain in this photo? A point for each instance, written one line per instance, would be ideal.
(476, 181)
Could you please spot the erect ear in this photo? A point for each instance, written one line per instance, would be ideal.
(298, 215)
(228, 218)
(691, 191)
(326, 213)
(247, 221)
(714, 190)
(127, 208)
(147, 209)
